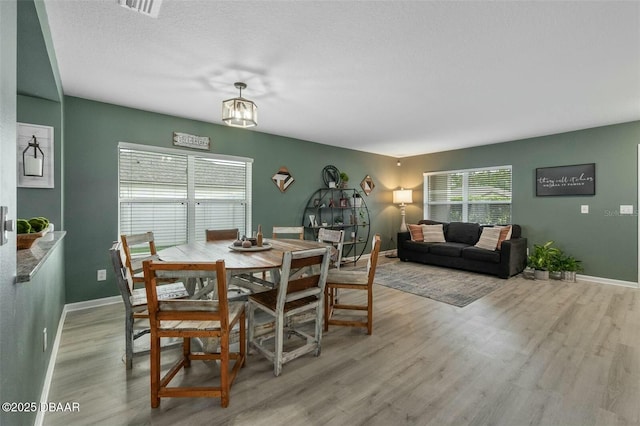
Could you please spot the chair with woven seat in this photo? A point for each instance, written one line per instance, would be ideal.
(144, 243)
(186, 319)
(135, 302)
(352, 280)
(293, 297)
(221, 234)
(283, 231)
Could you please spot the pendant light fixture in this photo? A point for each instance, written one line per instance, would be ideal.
(32, 164)
(240, 112)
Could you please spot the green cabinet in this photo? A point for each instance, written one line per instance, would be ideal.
(339, 208)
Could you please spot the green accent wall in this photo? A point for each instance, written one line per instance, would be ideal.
(93, 131)
(45, 202)
(605, 241)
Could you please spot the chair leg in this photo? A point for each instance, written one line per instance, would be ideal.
(369, 311)
(128, 335)
(319, 327)
(224, 370)
(327, 309)
(186, 351)
(279, 345)
(154, 359)
(250, 325)
(243, 339)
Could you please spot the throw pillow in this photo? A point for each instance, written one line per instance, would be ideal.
(505, 234)
(433, 233)
(489, 238)
(416, 232)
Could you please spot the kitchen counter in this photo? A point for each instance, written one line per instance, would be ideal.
(29, 260)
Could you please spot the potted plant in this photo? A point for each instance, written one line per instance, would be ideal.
(541, 259)
(556, 260)
(570, 265)
(344, 179)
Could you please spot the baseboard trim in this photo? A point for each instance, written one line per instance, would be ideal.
(48, 378)
(78, 306)
(609, 281)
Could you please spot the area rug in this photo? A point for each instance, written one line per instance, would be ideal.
(457, 288)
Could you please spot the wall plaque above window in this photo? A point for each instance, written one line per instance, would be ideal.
(191, 141)
(579, 179)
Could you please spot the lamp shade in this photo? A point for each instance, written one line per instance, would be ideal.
(402, 196)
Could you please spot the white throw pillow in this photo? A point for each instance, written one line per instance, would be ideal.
(433, 233)
(489, 238)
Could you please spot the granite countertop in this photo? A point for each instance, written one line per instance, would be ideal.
(29, 260)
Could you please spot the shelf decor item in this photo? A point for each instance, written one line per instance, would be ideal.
(331, 176)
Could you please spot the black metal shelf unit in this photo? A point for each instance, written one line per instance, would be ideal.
(339, 208)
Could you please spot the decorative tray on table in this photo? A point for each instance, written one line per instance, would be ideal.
(265, 246)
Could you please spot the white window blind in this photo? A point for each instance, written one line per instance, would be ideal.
(474, 195)
(178, 195)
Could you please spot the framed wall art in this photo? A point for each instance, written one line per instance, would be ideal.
(579, 179)
(35, 156)
(367, 185)
(283, 179)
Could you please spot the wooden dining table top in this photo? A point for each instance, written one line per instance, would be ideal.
(210, 251)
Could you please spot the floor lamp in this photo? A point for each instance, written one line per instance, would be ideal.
(402, 196)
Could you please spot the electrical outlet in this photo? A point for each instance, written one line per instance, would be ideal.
(584, 209)
(626, 209)
(44, 340)
(102, 274)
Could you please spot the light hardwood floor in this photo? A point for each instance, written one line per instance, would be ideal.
(530, 353)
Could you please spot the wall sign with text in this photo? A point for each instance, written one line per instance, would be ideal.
(579, 179)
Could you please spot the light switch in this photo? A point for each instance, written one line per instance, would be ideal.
(584, 209)
(626, 209)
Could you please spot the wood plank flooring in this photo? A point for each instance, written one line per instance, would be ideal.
(530, 353)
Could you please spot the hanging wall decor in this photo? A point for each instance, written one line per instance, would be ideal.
(579, 179)
(35, 156)
(367, 185)
(191, 141)
(283, 179)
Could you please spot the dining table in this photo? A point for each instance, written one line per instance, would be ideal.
(239, 261)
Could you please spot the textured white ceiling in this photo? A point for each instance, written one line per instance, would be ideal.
(389, 77)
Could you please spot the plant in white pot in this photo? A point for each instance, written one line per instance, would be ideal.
(556, 259)
(540, 259)
(570, 266)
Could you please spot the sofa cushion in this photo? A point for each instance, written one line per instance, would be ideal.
(419, 247)
(489, 238)
(505, 234)
(416, 232)
(463, 232)
(475, 253)
(433, 233)
(447, 249)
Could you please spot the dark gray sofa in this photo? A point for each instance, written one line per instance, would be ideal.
(459, 252)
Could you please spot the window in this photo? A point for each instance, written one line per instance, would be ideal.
(178, 194)
(474, 195)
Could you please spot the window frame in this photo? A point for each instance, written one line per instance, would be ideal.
(190, 200)
(465, 202)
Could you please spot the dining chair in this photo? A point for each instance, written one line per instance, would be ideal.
(221, 234)
(352, 280)
(283, 231)
(293, 297)
(186, 319)
(135, 302)
(336, 238)
(144, 243)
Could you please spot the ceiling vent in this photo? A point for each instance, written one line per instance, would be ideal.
(146, 7)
